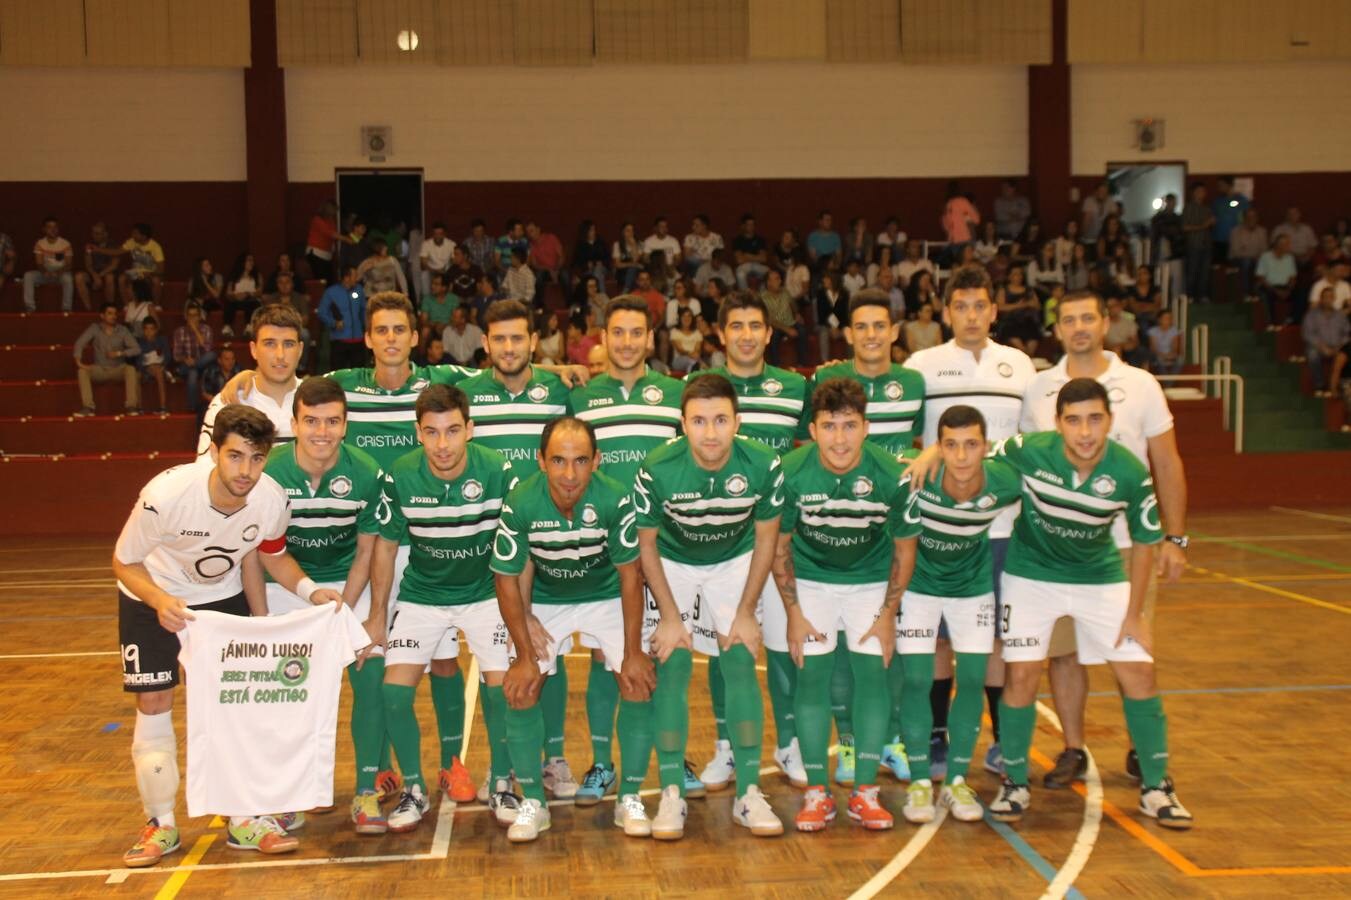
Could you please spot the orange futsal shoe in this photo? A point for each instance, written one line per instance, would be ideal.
(456, 782)
(389, 783)
(866, 809)
(818, 810)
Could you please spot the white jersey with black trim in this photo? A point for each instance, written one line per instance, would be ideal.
(192, 550)
(994, 384)
(1139, 411)
(279, 413)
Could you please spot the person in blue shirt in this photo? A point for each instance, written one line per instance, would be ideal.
(1228, 208)
(342, 309)
(823, 245)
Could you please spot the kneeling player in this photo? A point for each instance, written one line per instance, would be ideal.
(845, 553)
(1062, 562)
(566, 558)
(708, 520)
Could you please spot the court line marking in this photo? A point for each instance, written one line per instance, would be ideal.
(898, 863)
(1305, 576)
(1216, 539)
(1062, 884)
(15, 585)
(1309, 514)
(1030, 856)
(179, 878)
(54, 549)
(1267, 589)
(1276, 689)
(103, 568)
(1285, 554)
(58, 655)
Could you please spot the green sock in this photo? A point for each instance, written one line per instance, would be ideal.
(403, 731)
(671, 711)
(745, 715)
(602, 697)
(368, 719)
(872, 715)
(842, 690)
(1148, 728)
(917, 716)
(717, 692)
(896, 688)
(553, 702)
(448, 699)
(635, 743)
(525, 743)
(1016, 724)
(811, 702)
(964, 719)
(386, 752)
(495, 723)
(781, 675)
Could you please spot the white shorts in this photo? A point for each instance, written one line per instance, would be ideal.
(707, 597)
(280, 601)
(447, 649)
(832, 608)
(420, 633)
(774, 617)
(600, 623)
(1031, 609)
(970, 623)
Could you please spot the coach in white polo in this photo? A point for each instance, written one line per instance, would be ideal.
(1143, 423)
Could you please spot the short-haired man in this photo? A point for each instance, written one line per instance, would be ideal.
(55, 261)
(913, 262)
(462, 339)
(276, 347)
(511, 240)
(1276, 274)
(824, 248)
(146, 259)
(708, 507)
(1198, 222)
(115, 351)
(546, 257)
(1229, 209)
(519, 281)
(444, 500)
(700, 243)
(750, 253)
(661, 239)
(183, 549)
(342, 309)
(1062, 561)
(846, 551)
(434, 258)
(566, 560)
(194, 350)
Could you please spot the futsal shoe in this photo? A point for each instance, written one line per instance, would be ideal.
(261, 834)
(291, 821)
(789, 760)
(407, 815)
(893, 757)
(389, 783)
(919, 802)
(532, 818)
(1070, 766)
(865, 808)
(367, 817)
(1161, 803)
(721, 769)
(938, 757)
(961, 800)
(844, 762)
(504, 803)
(456, 783)
(1133, 765)
(694, 788)
(752, 811)
(1011, 802)
(631, 815)
(669, 825)
(818, 810)
(558, 779)
(154, 843)
(994, 760)
(596, 783)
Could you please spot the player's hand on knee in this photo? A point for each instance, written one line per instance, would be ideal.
(1138, 629)
(540, 637)
(884, 632)
(670, 636)
(522, 682)
(800, 631)
(173, 614)
(637, 677)
(745, 631)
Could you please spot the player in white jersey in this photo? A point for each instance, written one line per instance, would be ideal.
(183, 548)
(972, 370)
(1141, 422)
(276, 348)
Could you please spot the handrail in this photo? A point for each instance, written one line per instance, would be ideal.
(1225, 379)
(1200, 355)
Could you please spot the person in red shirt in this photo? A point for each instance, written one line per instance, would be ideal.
(547, 257)
(322, 238)
(960, 216)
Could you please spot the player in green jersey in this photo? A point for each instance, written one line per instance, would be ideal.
(1063, 562)
(846, 550)
(444, 500)
(708, 509)
(953, 582)
(510, 403)
(895, 419)
(772, 401)
(632, 409)
(566, 560)
(335, 494)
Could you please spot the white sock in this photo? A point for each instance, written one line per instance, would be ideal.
(154, 754)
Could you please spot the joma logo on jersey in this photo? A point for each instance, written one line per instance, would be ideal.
(1049, 476)
(599, 401)
(484, 398)
(813, 498)
(416, 499)
(187, 532)
(686, 495)
(542, 525)
(953, 373)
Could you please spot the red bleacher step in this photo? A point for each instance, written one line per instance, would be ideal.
(98, 434)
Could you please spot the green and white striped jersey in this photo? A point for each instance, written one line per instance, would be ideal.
(509, 424)
(954, 546)
(574, 558)
(895, 403)
(384, 423)
(1064, 532)
(628, 423)
(325, 522)
(449, 525)
(705, 517)
(773, 405)
(845, 526)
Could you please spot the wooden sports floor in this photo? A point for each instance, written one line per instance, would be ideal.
(1255, 662)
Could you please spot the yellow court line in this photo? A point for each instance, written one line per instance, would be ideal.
(179, 878)
(1290, 595)
(1305, 576)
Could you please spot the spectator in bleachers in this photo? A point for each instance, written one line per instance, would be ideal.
(462, 277)
(686, 341)
(206, 287)
(1018, 318)
(913, 262)
(153, 360)
(435, 307)
(1198, 223)
(462, 338)
(140, 306)
(1329, 251)
(321, 241)
(853, 279)
(1027, 243)
(435, 257)
(1094, 211)
(1050, 307)
(1165, 345)
(284, 266)
(1276, 275)
(1143, 299)
(891, 236)
(784, 318)
(353, 248)
(661, 240)
(1123, 332)
(147, 258)
(960, 216)
(342, 309)
(1044, 271)
(987, 245)
(1228, 208)
(1247, 243)
(1122, 269)
(1303, 241)
(434, 351)
(547, 258)
(596, 360)
(115, 351)
(886, 283)
(591, 305)
(627, 257)
(824, 247)
(999, 265)
(785, 253)
(519, 281)
(750, 255)
(714, 267)
(922, 332)
(7, 259)
(1110, 238)
(486, 292)
(655, 300)
(579, 346)
(1325, 332)
(194, 349)
(797, 277)
(590, 254)
(858, 243)
(55, 261)
(700, 244)
(480, 247)
(243, 293)
(711, 303)
(922, 292)
(832, 310)
(1168, 242)
(216, 375)
(286, 294)
(382, 271)
(1077, 269)
(1065, 244)
(663, 273)
(882, 259)
(549, 347)
(1334, 278)
(682, 298)
(1011, 211)
(99, 272)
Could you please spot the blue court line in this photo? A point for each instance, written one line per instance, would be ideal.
(1277, 689)
(1030, 856)
(111, 727)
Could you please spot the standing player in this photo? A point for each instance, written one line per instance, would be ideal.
(1142, 423)
(972, 370)
(276, 347)
(846, 551)
(772, 401)
(633, 409)
(708, 522)
(896, 414)
(568, 532)
(444, 500)
(1063, 562)
(182, 549)
(335, 494)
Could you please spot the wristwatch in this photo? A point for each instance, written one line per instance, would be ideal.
(1180, 539)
